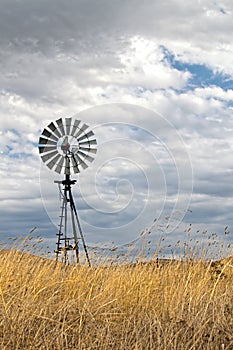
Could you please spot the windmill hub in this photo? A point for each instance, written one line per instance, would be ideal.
(65, 148)
(67, 145)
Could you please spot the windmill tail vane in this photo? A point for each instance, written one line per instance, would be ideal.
(67, 146)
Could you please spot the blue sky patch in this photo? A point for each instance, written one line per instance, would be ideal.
(201, 74)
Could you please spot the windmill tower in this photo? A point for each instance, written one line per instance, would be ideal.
(67, 146)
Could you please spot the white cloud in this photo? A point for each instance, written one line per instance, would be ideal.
(57, 59)
(143, 63)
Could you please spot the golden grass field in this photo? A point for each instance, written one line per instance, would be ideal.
(186, 305)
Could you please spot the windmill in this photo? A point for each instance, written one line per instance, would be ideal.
(67, 146)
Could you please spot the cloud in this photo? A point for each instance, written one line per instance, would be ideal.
(59, 59)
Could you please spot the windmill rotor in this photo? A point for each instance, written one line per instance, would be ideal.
(67, 143)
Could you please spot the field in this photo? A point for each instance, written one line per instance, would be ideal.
(157, 305)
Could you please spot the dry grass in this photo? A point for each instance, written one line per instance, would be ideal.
(177, 305)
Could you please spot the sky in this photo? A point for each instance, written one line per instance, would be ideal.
(153, 80)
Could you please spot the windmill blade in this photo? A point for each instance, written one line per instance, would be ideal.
(80, 161)
(86, 136)
(48, 156)
(76, 170)
(54, 161)
(84, 165)
(89, 142)
(91, 150)
(45, 142)
(59, 166)
(49, 135)
(82, 130)
(68, 125)
(43, 149)
(54, 129)
(60, 126)
(86, 156)
(75, 165)
(75, 126)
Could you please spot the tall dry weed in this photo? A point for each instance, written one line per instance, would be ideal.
(161, 305)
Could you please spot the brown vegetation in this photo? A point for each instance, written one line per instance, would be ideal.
(172, 305)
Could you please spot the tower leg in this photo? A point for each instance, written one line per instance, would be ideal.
(60, 233)
(76, 247)
(65, 230)
(73, 209)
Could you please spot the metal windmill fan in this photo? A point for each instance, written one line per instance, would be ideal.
(65, 147)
